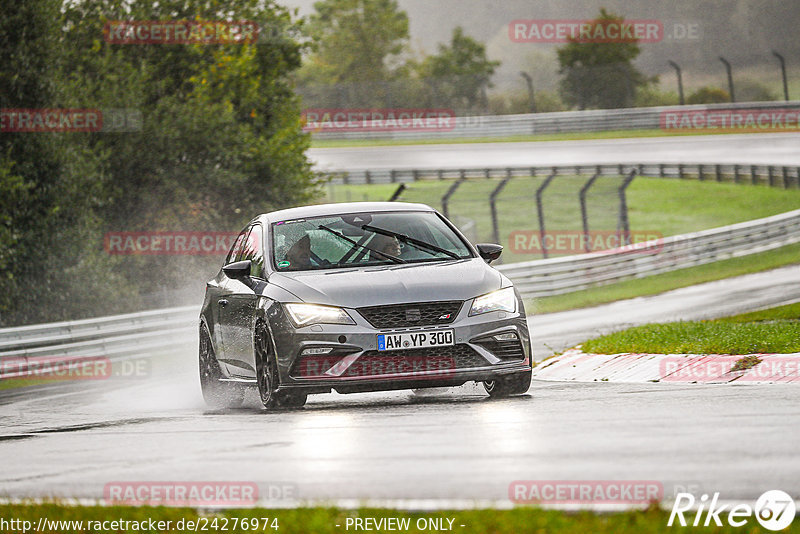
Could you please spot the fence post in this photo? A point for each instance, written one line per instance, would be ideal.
(753, 179)
(785, 178)
(736, 174)
(719, 172)
(584, 214)
(771, 175)
(493, 207)
(623, 208)
(540, 210)
(397, 193)
(700, 175)
(450, 190)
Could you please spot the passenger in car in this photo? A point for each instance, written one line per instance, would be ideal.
(385, 244)
(299, 255)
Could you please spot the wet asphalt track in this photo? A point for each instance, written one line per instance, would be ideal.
(762, 149)
(446, 448)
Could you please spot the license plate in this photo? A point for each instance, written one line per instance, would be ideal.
(415, 340)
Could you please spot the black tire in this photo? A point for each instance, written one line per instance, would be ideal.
(267, 375)
(217, 394)
(514, 384)
(266, 368)
(289, 399)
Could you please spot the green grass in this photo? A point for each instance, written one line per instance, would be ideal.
(652, 285)
(701, 337)
(787, 312)
(324, 520)
(776, 330)
(566, 136)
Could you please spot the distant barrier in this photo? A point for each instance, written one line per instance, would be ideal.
(595, 120)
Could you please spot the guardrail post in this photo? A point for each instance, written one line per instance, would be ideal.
(584, 214)
(397, 193)
(440, 174)
(736, 174)
(487, 174)
(623, 209)
(450, 190)
(700, 174)
(540, 210)
(753, 179)
(785, 178)
(718, 171)
(680, 170)
(771, 176)
(661, 170)
(493, 206)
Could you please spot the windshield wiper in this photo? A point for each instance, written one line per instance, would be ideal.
(412, 241)
(340, 235)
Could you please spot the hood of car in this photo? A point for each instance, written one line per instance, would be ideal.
(392, 284)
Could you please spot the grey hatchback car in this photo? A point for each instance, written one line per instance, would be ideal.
(358, 297)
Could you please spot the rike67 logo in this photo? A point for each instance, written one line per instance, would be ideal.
(774, 510)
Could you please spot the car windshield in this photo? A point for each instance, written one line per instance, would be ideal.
(359, 239)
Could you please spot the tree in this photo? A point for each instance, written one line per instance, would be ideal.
(460, 72)
(600, 74)
(220, 141)
(355, 43)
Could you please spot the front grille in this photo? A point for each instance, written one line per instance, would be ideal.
(416, 314)
(505, 350)
(440, 359)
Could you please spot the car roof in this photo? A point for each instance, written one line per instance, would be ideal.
(321, 210)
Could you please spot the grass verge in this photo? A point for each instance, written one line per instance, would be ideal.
(776, 330)
(652, 285)
(325, 520)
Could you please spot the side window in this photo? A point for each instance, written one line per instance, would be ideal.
(253, 250)
(236, 249)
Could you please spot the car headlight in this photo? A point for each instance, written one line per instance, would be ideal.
(308, 314)
(500, 300)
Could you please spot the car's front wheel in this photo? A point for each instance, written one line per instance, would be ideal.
(267, 371)
(216, 393)
(513, 384)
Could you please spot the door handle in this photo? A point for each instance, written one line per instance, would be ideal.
(222, 302)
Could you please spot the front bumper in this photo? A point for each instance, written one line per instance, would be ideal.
(320, 358)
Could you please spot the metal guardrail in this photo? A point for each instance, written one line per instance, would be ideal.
(117, 338)
(140, 335)
(773, 175)
(595, 120)
(556, 276)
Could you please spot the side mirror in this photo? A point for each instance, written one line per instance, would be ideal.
(237, 269)
(489, 251)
